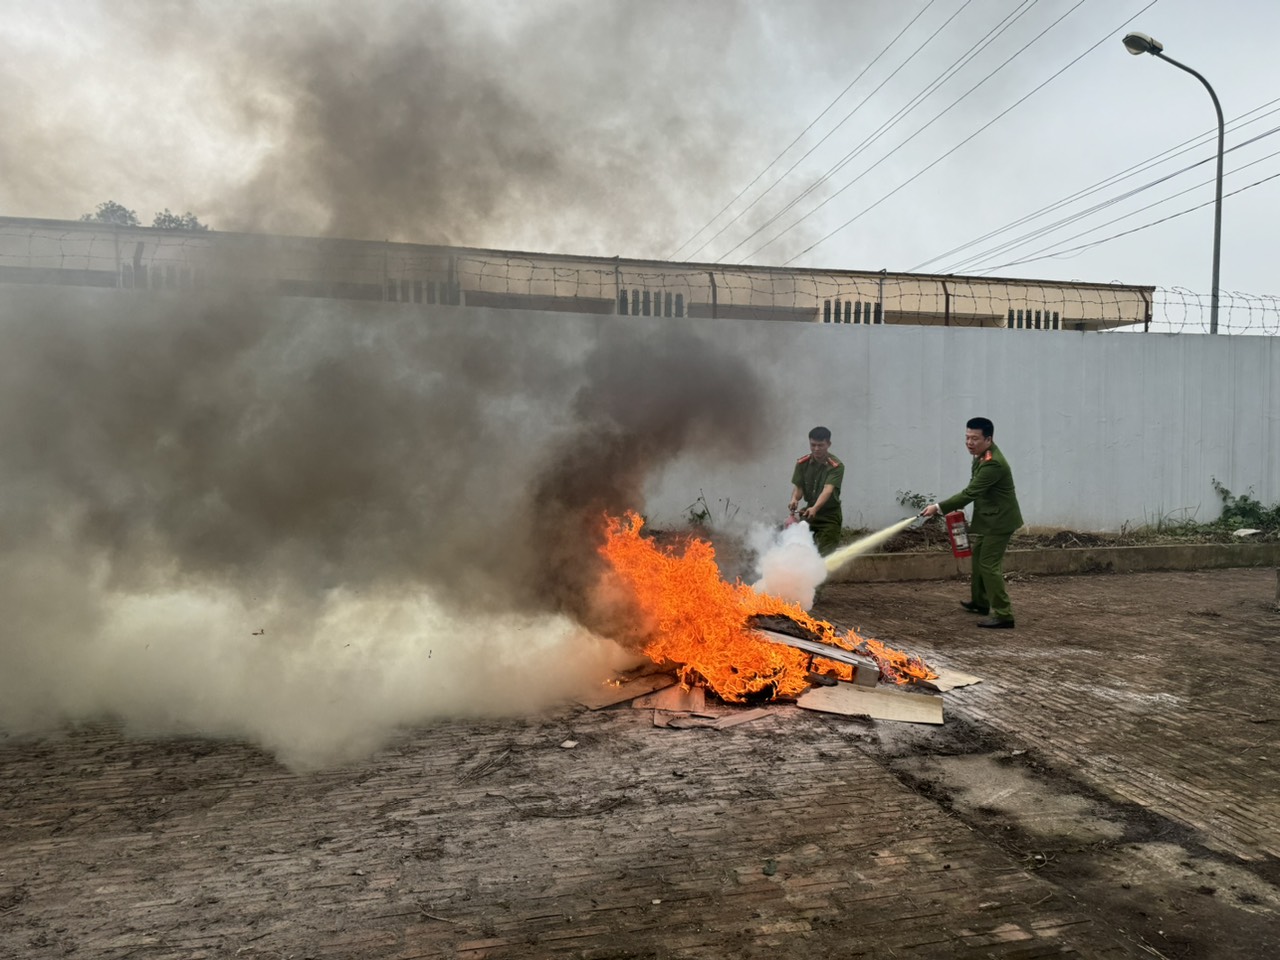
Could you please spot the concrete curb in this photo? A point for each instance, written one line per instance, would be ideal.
(1059, 561)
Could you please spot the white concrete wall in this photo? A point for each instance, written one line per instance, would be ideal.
(1101, 429)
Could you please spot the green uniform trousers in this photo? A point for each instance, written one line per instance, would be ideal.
(826, 534)
(986, 586)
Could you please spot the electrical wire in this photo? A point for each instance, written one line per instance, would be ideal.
(807, 190)
(799, 136)
(984, 127)
(1177, 150)
(1026, 238)
(1134, 213)
(1145, 226)
(919, 131)
(958, 64)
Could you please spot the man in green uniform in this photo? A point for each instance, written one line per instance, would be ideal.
(817, 479)
(995, 517)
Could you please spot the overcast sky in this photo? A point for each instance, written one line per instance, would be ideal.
(623, 127)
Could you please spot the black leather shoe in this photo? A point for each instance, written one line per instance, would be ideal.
(973, 607)
(995, 623)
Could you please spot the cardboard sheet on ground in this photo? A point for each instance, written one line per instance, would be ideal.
(607, 694)
(950, 679)
(686, 721)
(673, 698)
(879, 703)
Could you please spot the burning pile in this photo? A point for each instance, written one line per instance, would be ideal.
(700, 622)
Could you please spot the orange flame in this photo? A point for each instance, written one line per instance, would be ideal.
(700, 622)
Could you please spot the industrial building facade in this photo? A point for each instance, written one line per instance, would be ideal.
(80, 253)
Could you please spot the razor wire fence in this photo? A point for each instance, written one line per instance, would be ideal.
(74, 253)
(1179, 310)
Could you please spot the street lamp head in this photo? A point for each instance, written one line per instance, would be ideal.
(1137, 43)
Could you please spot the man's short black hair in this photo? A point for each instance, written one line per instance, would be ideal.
(982, 423)
(821, 434)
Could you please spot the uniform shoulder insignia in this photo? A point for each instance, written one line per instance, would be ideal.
(986, 456)
(804, 459)
(832, 462)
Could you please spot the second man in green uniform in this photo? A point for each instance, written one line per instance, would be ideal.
(817, 479)
(996, 516)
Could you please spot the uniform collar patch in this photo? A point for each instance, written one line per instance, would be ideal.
(830, 461)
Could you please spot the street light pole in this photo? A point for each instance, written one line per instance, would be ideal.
(1138, 43)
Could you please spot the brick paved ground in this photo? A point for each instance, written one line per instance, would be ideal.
(1149, 700)
(1158, 688)
(796, 835)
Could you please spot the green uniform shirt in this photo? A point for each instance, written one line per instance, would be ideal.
(990, 489)
(811, 476)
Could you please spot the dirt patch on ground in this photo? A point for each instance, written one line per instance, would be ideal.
(1147, 874)
(1099, 752)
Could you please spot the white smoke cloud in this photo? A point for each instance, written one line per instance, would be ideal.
(316, 682)
(788, 563)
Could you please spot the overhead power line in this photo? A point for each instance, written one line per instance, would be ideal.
(1026, 238)
(1132, 171)
(956, 65)
(840, 163)
(800, 135)
(984, 127)
(919, 131)
(1133, 213)
(786, 173)
(1125, 233)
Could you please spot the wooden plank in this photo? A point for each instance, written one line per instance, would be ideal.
(685, 721)
(879, 703)
(613, 691)
(713, 721)
(675, 699)
(950, 679)
(741, 716)
(866, 671)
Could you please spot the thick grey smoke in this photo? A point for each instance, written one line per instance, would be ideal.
(492, 125)
(639, 410)
(248, 487)
(306, 522)
(579, 126)
(298, 446)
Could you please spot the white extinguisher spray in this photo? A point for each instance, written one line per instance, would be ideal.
(958, 533)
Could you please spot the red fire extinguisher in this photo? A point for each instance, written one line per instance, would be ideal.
(958, 533)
